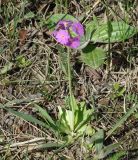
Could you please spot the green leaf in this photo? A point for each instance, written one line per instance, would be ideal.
(122, 120)
(86, 117)
(46, 116)
(117, 156)
(79, 113)
(107, 150)
(89, 30)
(70, 119)
(64, 125)
(6, 68)
(99, 140)
(27, 117)
(92, 56)
(113, 31)
(75, 121)
(22, 61)
(121, 91)
(66, 118)
(116, 86)
(73, 103)
(53, 20)
(24, 116)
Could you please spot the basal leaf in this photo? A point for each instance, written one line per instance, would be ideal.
(113, 32)
(70, 119)
(44, 114)
(73, 103)
(24, 116)
(64, 123)
(27, 117)
(86, 118)
(92, 56)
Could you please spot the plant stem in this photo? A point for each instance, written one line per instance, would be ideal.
(69, 73)
(71, 98)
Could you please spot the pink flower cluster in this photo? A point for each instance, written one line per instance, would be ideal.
(68, 33)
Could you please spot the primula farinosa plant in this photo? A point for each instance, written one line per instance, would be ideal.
(74, 120)
(68, 33)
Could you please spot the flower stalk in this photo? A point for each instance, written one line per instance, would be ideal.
(69, 72)
(70, 87)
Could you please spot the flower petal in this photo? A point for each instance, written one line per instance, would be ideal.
(74, 42)
(62, 36)
(77, 27)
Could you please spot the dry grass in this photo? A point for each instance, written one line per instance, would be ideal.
(44, 81)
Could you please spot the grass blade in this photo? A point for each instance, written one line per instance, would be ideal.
(122, 120)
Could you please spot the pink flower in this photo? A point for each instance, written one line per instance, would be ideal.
(74, 42)
(77, 27)
(68, 33)
(62, 36)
